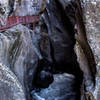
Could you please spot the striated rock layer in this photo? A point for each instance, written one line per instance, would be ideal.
(17, 51)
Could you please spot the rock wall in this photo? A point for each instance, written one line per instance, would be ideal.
(91, 11)
(19, 49)
(21, 7)
(19, 45)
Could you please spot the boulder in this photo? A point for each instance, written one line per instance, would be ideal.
(18, 51)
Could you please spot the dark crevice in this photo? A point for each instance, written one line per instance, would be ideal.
(64, 64)
(11, 6)
(59, 22)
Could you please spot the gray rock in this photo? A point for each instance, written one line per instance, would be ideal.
(60, 89)
(18, 50)
(28, 7)
(21, 7)
(91, 12)
(10, 87)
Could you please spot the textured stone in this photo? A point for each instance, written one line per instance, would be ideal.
(91, 9)
(21, 7)
(19, 46)
(58, 89)
(10, 87)
(18, 50)
(29, 7)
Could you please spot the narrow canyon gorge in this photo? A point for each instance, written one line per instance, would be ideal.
(49, 50)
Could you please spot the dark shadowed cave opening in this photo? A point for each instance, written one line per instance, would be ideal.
(63, 58)
(61, 23)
